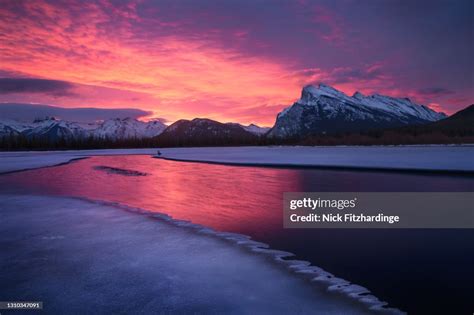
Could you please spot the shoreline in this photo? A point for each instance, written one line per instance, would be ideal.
(451, 160)
(18, 161)
(72, 160)
(329, 167)
(299, 268)
(351, 158)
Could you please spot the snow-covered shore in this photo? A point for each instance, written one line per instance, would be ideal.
(78, 256)
(442, 158)
(23, 160)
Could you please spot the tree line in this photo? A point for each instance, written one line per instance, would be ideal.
(407, 136)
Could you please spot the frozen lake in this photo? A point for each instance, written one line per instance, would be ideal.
(406, 268)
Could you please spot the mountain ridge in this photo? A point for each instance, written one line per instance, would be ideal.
(113, 129)
(53, 129)
(324, 110)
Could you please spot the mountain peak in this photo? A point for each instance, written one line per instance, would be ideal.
(257, 130)
(312, 91)
(46, 118)
(318, 89)
(123, 119)
(358, 95)
(202, 120)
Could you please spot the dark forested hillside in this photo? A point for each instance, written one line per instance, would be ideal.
(205, 132)
(458, 128)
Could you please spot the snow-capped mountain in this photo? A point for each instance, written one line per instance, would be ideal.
(323, 109)
(252, 128)
(10, 127)
(53, 129)
(128, 128)
(202, 131)
(6, 130)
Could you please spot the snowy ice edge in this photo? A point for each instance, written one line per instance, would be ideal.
(21, 161)
(437, 159)
(18, 161)
(316, 275)
(67, 161)
(322, 166)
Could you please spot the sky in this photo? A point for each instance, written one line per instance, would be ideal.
(240, 61)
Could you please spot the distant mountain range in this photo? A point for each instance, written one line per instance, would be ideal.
(325, 110)
(128, 128)
(321, 116)
(53, 129)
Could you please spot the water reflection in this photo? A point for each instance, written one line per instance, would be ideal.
(228, 198)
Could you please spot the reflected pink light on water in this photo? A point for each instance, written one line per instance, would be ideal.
(225, 198)
(246, 200)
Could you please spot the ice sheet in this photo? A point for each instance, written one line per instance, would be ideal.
(22, 160)
(451, 158)
(90, 257)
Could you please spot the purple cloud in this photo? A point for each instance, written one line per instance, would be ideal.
(30, 112)
(28, 85)
(435, 91)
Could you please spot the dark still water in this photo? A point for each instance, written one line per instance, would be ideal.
(418, 271)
